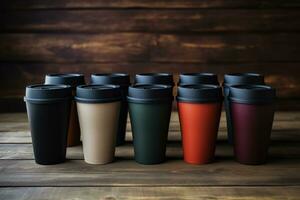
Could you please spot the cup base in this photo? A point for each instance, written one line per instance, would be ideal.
(150, 163)
(99, 163)
(198, 163)
(251, 162)
(50, 163)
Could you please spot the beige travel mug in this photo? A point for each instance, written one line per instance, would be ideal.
(98, 112)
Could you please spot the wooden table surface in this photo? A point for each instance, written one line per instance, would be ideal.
(21, 178)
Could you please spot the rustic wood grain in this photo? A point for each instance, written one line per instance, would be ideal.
(140, 20)
(194, 34)
(63, 4)
(166, 193)
(138, 47)
(124, 172)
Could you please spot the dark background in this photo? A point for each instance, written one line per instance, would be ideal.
(134, 36)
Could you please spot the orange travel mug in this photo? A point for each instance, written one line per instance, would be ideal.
(199, 108)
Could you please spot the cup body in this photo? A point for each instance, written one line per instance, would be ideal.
(252, 112)
(252, 125)
(150, 111)
(49, 127)
(48, 113)
(199, 109)
(232, 80)
(99, 126)
(73, 80)
(199, 127)
(150, 126)
(98, 109)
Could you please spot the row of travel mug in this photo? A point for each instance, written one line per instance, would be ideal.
(63, 108)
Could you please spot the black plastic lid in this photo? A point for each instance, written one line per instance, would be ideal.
(243, 79)
(154, 78)
(252, 94)
(45, 93)
(198, 78)
(98, 93)
(199, 93)
(68, 79)
(113, 78)
(143, 93)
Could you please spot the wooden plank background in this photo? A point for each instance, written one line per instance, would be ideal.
(134, 36)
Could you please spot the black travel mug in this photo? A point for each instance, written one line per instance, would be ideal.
(48, 109)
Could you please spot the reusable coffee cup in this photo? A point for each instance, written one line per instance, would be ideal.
(48, 110)
(199, 109)
(237, 79)
(154, 78)
(123, 80)
(98, 111)
(252, 110)
(73, 80)
(150, 110)
(198, 78)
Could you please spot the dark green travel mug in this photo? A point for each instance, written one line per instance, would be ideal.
(123, 80)
(237, 79)
(150, 110)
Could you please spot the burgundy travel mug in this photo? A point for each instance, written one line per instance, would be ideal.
(252, 111)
